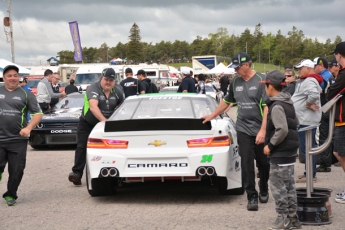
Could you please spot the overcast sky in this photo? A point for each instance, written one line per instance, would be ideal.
(41, 27)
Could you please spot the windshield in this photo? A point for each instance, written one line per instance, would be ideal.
(69, 102)
(87, 78)
(33, 83)
(164, 107)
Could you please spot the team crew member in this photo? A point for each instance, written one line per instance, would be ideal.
(333, 67)
(251, 98)
(71, 88)
(130, 85)
(15, 102)
(224, 83)
(56, 89)
(188, 84)
(101, 100)
(45, 92)
(145, 82)
(339, 131)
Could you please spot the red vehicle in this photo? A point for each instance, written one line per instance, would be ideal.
(35, 79)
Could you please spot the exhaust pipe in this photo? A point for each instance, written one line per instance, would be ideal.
(210, 171)
(112, 172)
(202, 171)
(104, 172)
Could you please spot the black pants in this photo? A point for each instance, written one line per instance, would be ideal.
(84, 130)
(249, 151)
(13, 153)
(325, 158)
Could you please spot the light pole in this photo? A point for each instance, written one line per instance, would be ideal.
(11, 30)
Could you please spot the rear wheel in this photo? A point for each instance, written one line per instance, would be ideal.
(223, 185)
(101, 186)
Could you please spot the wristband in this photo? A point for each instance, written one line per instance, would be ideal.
(214, 115)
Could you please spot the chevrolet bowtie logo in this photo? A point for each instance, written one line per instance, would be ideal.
(157, 143)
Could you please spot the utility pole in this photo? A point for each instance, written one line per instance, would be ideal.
(11, 31)
(246, 47)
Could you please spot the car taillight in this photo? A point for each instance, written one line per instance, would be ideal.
(106, 143)
(209, 142)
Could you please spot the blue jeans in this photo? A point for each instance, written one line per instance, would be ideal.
(301, 137)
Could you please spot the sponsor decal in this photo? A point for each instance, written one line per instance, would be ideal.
(235, 152)
(61, 131)
(206, 158)
(97, 158)
(237, 166)
(159, 165)
(166, 98)
(129, 84)
(114, 161)
(239, 88)
(101, 97)
(253, 88)
(243, 59)
(16, 98)
(157, 143)
(94, 96)
(2, 96)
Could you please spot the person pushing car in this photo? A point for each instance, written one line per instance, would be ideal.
(101, 100)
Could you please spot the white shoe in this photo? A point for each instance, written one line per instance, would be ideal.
(340, 200)
(340, 194)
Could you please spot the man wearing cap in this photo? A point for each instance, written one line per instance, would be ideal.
(324, 158)
(333, 67)
(15, 103)
(339, 131)
(101, 100)
(251, 99)
(307, 105)
(45, 92)
(71, 88)
(145, 82)
(130, 85)
(188, 84)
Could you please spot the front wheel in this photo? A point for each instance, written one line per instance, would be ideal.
(101, 186)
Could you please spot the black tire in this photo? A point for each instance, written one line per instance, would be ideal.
(38, 147)
(101, 186)
(223, 185)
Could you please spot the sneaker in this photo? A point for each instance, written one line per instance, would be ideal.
(340, 194)
(340, 200)
(281, 223)
(253, 204)
(75, 178)
(304, 180)
(323, 169)
(10, 201)
(295, 222)
(263, 197)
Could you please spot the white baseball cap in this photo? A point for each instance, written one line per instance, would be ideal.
(306, 63)
(186, 71)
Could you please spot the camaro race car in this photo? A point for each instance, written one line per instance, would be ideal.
(59, 126)
(162, 137)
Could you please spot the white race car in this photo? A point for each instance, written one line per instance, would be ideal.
(162, 137)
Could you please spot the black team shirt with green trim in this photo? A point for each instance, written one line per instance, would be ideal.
(250, 98)
(106, 105)
(14, 107)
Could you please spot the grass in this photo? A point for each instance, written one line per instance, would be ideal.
(259, 67)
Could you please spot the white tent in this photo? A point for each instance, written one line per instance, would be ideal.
(173, 69)
(220, 68)
(22, 71)
(229, 71)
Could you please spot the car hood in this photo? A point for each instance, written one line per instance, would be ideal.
(63, 114)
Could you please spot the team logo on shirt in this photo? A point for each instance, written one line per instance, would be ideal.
(2, 96)
(16, 98)
(128, 84)
(253, 88)
(239, 88)
(102, 97)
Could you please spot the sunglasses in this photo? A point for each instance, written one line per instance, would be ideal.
(288, 75)
(238, 67)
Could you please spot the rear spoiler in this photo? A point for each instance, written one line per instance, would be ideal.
(169, 124)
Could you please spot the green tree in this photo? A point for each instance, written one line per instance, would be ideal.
(245, 43)
(267, 47)
(134, 46)
(294, 45)
(103, 53)
(66, 56)
(257, 42)
(218, 40)
(90, 54)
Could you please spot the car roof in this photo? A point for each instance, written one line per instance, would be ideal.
(155, 95)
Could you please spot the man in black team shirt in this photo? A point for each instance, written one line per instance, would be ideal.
(224, 83)
(251, 99)
(100, 101)
(130, 85)
(15, 103)
(145, 82)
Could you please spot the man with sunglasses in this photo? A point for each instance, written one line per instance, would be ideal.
(290, 80)
(339, 131)
(334, 68)
(100, 101)
(251, 98)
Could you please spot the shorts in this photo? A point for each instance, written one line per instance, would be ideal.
(339, 140)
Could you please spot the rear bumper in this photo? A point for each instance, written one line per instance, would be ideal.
(46, 138)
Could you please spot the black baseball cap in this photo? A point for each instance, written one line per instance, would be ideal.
(9, 67)
(332, 62)
(274, 77)
(238, 59)
(109, 73)
(321, 61)
(128, 70)
(141, 72)
(340, 48)
(71, 81)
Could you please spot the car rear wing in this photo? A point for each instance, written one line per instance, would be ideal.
(159, 124)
